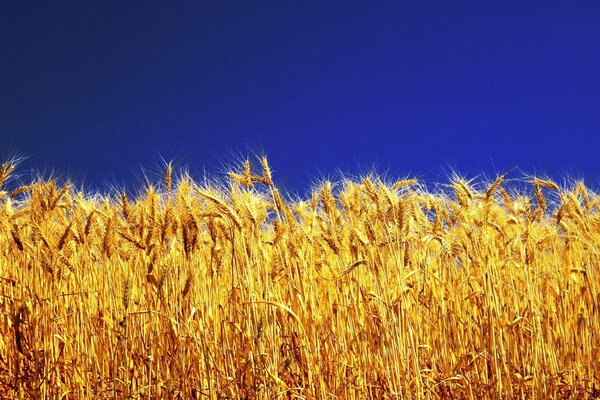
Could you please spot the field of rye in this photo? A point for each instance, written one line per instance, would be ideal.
(368, 288)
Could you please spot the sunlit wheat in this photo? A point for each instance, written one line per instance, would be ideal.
(366, 289)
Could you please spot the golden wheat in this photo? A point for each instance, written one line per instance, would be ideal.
(365, 290)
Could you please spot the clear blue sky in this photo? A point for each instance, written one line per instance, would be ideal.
(95, 90)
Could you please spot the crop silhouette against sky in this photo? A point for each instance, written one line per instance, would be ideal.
(95, 91)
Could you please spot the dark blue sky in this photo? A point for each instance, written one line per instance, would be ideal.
(96, 90)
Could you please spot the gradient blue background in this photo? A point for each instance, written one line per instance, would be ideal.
(95, 91)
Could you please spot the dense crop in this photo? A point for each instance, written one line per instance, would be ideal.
(367, 289)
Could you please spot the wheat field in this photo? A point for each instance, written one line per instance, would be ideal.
(366, 289)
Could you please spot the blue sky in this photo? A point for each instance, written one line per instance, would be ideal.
(96, 90)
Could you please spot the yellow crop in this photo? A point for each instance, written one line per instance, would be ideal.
(366, 289)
